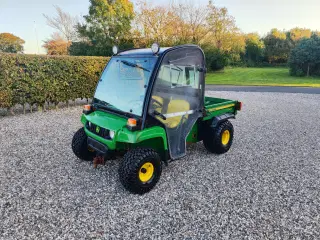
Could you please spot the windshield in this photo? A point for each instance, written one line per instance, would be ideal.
(124, 82)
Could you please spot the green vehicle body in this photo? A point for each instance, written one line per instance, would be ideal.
(154, 137)
(214, 110)
(149, 105)
(124, 138)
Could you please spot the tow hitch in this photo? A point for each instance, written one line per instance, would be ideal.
(101, 151)
(98, 160)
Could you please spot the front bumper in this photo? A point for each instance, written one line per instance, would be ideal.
(100, 148)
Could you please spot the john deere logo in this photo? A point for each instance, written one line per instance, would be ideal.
(97, 129)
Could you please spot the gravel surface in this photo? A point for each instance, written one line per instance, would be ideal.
(266, 187)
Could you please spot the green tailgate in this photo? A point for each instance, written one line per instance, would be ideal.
(218, 106)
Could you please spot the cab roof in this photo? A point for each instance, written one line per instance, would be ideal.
(142, 52)
(148, 51)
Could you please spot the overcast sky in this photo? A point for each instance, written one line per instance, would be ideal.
(21, 17)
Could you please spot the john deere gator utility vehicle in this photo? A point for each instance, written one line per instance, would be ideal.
(149, 104)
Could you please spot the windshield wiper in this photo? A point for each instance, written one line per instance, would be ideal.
(107, 106)
(134, 65)
(104, 104)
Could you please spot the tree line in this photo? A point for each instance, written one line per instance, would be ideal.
(118, 22)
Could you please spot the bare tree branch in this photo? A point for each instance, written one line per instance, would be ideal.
(64, 23)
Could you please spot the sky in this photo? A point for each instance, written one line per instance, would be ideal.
(24, 18)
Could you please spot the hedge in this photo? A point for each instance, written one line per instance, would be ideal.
(35, 79)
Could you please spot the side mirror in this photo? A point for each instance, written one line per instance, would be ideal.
(201, 69)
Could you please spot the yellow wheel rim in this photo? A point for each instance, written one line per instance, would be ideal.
(146, 172)
(225, 137)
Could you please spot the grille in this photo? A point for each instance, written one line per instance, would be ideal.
(100, 131)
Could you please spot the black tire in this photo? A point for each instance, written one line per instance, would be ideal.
(213, 140)
(80, 146)
(131, 167)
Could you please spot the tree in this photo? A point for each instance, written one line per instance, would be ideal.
(177, 24)
(296, 34)
(83, 48)
(56, 45)
(277, 46)
(191, 27)
(223, 34)
(155, 24)
(64, 23)
(254, 49)
(108, 23)
(305, 57)
(315, 33)
(11, 43)
(215, 59)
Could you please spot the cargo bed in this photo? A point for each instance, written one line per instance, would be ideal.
(218, 106)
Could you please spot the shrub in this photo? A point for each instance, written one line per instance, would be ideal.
(36, 79)
(215, 59)
(88, 48)
(305, 58)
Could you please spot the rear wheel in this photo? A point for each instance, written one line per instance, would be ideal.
(80, 146)
(140, 170)
(219, 139)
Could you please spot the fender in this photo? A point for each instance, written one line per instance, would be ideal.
(126, 136)
(222, 118)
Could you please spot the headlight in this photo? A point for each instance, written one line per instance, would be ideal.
(111, 134)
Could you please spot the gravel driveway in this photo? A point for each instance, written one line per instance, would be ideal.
(266, 187)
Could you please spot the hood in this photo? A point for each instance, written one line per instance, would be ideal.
(106, 120)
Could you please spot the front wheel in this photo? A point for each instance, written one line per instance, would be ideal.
(219, 139)
(80, 146)
(140, 170)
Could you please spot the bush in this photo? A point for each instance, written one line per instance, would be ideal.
(88, 49)
(215, 59)
(93, 49)
(36, 79)
(305, 58)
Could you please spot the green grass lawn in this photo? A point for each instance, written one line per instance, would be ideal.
(260, 77)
